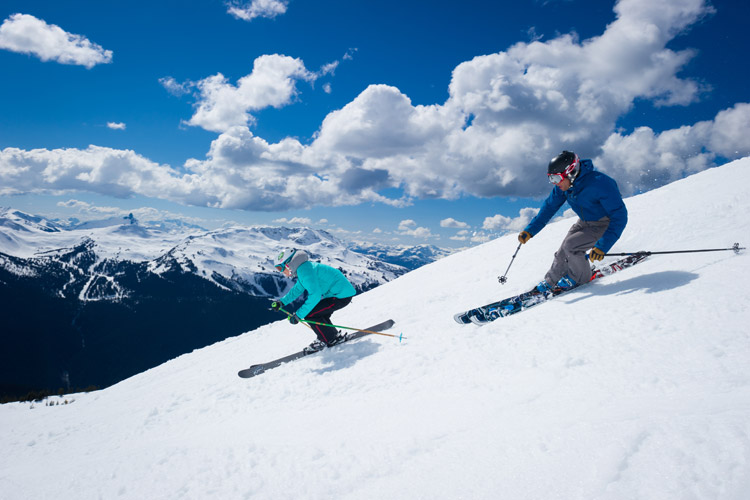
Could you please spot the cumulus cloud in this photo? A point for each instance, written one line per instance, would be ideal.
(453, 223)
(502, 223)
(174, 87)
(222, 105)
(409, 227)
(26, 34)
(644, 159)
(247, 11)
(90, 211)
(116, 125)
(506, 115)
(297, 221)
(118, 173)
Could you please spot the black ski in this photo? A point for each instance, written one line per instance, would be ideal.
(258, 369)
(512, 305)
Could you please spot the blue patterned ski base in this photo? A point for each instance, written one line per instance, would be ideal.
(512, 305)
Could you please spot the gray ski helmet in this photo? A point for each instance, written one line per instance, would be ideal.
(283, 258)
(565, 165)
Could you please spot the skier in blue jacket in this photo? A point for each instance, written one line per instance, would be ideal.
(327, 289)
(597, 201)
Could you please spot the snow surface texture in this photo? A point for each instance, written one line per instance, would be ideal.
(633, 387)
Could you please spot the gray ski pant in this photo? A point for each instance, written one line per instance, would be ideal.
(571, 258)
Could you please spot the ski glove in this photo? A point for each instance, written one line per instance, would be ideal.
(275, 305)
(596, 254)
(524, 236)
(293, 319)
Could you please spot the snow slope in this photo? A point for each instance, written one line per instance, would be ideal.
(634, 387)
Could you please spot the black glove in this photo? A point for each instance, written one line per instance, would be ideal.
(596, 254)
(275, 305)
(524, 236)
(293, 319)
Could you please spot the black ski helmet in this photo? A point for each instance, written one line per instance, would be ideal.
(566, 164)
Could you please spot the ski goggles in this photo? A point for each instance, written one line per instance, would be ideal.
(556, 178)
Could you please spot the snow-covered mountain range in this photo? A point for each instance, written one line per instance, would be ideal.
(410, 257)
(101, 289)
(237, 258)
(636, 386)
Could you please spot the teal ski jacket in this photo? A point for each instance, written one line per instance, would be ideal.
(321, 282)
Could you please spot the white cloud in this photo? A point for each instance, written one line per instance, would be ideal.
(380, 123)
(509, 112)
(409, 227)
(502, 223)
(86, 208)
(406, 225)
(419, 232)
(96, 169)
(26, 34)
(480, 238)
(90, 211)
(453, 223)
(248, 11)
(462, 235)
(506, 115)
(246, 172)
(116, 125)
(328, 69)
(222, 105)
(645, 159)
(297, 221)
(174, 87)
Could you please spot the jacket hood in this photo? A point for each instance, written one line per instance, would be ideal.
(587, 166)
(299, 257)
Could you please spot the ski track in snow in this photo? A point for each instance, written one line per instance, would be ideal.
(634, 387)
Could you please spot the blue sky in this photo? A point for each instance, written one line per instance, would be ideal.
(400, 122)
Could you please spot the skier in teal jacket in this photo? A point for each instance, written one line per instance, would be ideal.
(327, 289)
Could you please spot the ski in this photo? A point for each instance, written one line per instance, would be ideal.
(258, 369)
(517, 303)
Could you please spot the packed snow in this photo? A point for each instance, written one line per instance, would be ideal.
(636, 386)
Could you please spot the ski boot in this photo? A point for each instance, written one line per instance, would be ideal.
(316, 346)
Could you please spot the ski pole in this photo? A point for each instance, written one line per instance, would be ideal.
(288, 315)
(308, 323)
(502, 279)
(735, 248)
(400, 337)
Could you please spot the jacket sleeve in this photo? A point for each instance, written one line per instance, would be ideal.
(614, 206)
(306, 277)
(292, 295)
(551, 205)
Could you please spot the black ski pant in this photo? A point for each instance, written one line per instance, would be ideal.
(321, 313)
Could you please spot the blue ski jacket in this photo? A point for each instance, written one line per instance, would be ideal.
(592, 196)
(321, 282)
